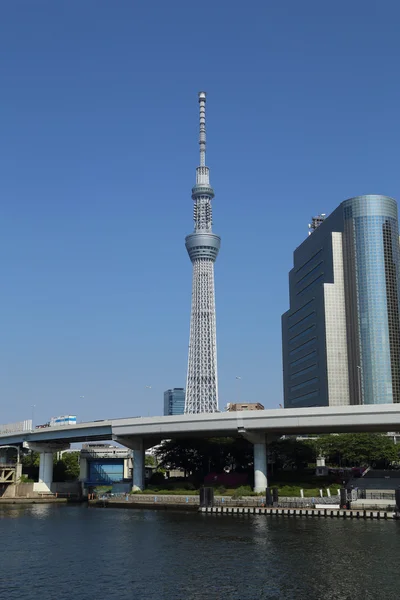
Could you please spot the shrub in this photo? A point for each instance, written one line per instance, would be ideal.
(189, 486)
(26, 479)
(243, 490)
(157, 478)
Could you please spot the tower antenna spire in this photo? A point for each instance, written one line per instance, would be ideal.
(202, 133)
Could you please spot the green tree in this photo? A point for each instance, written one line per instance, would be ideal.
(182, 454)
(358, 449)
(72, 468)
(31, 459)
(290, 453)
(150, 460)
(67, 468)
(30, 465)
(202, 456)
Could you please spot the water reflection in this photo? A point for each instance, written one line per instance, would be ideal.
(124, 554)
(15, 511)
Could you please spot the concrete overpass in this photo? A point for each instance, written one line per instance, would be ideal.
(139, 433)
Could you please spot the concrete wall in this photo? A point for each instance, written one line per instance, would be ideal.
(67, 487)
(21, 490)
(26, 490)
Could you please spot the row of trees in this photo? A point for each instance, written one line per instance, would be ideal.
(358, 449)
(202, 456)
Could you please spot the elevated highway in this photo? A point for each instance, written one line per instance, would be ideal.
(139, 433)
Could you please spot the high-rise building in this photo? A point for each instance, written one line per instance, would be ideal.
(174, 401)
(341, 336)
(202, 246)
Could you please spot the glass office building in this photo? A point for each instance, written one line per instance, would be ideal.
(174, 401)
(341, 335)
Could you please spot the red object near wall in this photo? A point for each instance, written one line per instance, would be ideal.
(226, 479)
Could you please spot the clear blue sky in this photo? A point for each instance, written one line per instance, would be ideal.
(98, 146)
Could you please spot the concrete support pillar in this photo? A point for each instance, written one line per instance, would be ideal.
(260, 467)
(45, 472)
(259, 440)
(46, 452)
(138, 468)
(83, 469)
(83, 474)
(139, 445)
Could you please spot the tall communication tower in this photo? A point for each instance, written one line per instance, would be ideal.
(202, 246)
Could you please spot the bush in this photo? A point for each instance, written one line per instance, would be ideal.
(243, 490)
(189, 486)
(309, 492)
(160, 491)
(26, 479)
(157, 478)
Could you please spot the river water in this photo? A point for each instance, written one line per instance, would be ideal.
(74, 552)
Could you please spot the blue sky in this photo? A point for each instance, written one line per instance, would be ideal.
(98, 148)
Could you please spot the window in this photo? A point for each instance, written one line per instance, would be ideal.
(320, 278)
(299, 312)
(302, 347)
(305, 397)
(304, 384)
(303, 359)
(309, 260)
(303, 371)
(311, 272)
(303, 320)
(302, 334)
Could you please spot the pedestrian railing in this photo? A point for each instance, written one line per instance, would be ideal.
(370, 495)
(253, 501)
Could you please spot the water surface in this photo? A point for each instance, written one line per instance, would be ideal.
(73, 553)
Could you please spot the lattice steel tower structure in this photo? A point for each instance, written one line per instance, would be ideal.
(202, 246)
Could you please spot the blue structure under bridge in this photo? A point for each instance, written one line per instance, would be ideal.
(105, 472)
(104, 464)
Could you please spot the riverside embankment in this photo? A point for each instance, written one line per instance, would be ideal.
(302, 507)
(38, 500)
(248, 505)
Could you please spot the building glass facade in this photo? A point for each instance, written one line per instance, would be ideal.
(341, 335)
(174, 401)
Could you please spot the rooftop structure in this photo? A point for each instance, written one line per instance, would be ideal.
(316, 222)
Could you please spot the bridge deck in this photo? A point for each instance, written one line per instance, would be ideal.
(374, 418)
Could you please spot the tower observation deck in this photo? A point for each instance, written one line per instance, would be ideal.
(202, 246)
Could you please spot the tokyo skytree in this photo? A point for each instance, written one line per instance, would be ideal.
(202, 246)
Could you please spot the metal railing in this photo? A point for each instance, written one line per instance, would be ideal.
(253, 501)
(369, 495)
